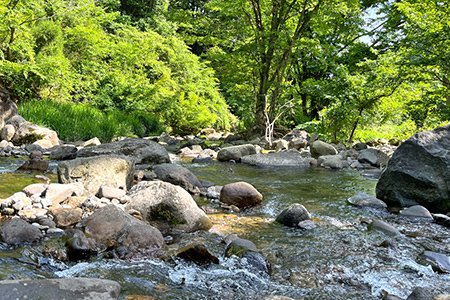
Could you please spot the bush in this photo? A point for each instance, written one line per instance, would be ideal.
(82, 121)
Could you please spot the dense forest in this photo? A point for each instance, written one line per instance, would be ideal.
(345, 69)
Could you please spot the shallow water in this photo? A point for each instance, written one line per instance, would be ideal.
(339, 259)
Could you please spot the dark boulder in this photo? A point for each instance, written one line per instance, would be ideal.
(293, 215)
(78, 245)
(439, 262)
(178, 175)
(198, 253)
(246, 249)
(17, 231)
(419, 172)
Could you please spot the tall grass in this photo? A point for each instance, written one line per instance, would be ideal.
(74, 122)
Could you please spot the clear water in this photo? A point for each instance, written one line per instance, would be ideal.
(339, 259)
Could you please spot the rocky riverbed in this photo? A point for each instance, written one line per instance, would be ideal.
(213, 228)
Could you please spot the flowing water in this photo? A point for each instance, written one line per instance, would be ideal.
(338, 259)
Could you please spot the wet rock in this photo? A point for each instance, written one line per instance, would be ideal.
(331, 161)
(93, 172)
(246, 249)
(66, 288)
(384, 227)
(391, 297)
(439, 262)
(78, 245)
(178, 175)
(142, 151)
(307, 224)
(276, 297)
(420, 293)
(320, 148)
(442, 219)
(35, 163)
(241, 194)
(64, 217)
(17, 231)
(363, 199)
(235, 152)
(64, 153)
(167, 207)
(293, 215)
(291, 158)
(111, 193)
(112, 226)
(416, 211)
(197, 253)
(202, 160)
(419, 172)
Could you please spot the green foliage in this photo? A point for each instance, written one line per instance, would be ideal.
(75, 122)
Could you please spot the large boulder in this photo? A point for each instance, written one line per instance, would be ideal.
(17, 231)
(62, 288)
(29, 133)
(241, 194)
(167, 207)
(320, 148)
(7, 132)
(419, 172)
(8, 108)
(178, 175)
(235, 152)
(291, 158)
(142, 151)
(93, 172)
(111, 225)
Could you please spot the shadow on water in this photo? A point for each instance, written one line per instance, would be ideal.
(338, 259)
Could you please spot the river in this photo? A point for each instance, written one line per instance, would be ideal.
(338, 259)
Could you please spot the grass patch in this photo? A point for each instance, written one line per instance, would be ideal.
(80, 121)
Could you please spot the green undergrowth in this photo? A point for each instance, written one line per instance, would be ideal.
(79, 121)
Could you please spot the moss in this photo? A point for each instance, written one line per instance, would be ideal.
(164, 212)
(29, 139)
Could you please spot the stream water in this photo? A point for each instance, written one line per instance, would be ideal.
(338, 259)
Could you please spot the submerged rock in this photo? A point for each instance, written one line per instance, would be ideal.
(241, 194)
(384, 227)
(363, 199)
(417, 211)
(65, 288)
(419, 172)
(246, 249)
(167, 207)
(439, 262)
(198, 253)
(142, 151)
(293, 215)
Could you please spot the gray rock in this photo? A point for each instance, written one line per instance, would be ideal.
(419, 172)
(359, 146)
(110, 225)
(246, 249)
(241, 194)
(8, 108)
(66, 288)
(78, 245)
(442, 219)
(178, 175)
(331, 161)
(110, 192)
(363, 199)
(17, 231)
(34, 189)
(29, 133)
(7, 132)
(368, 156)
(35, 164)
(417, 211)
(93, 172)
(65, 216)
(319, 148)
(439, 262)
(64, 153)
(142, 151)
(291, 158)
(293, 215)
(384, 227)
(420, 293)
(58, 193)
(235, 152)
(92, 142)
(167, 207)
